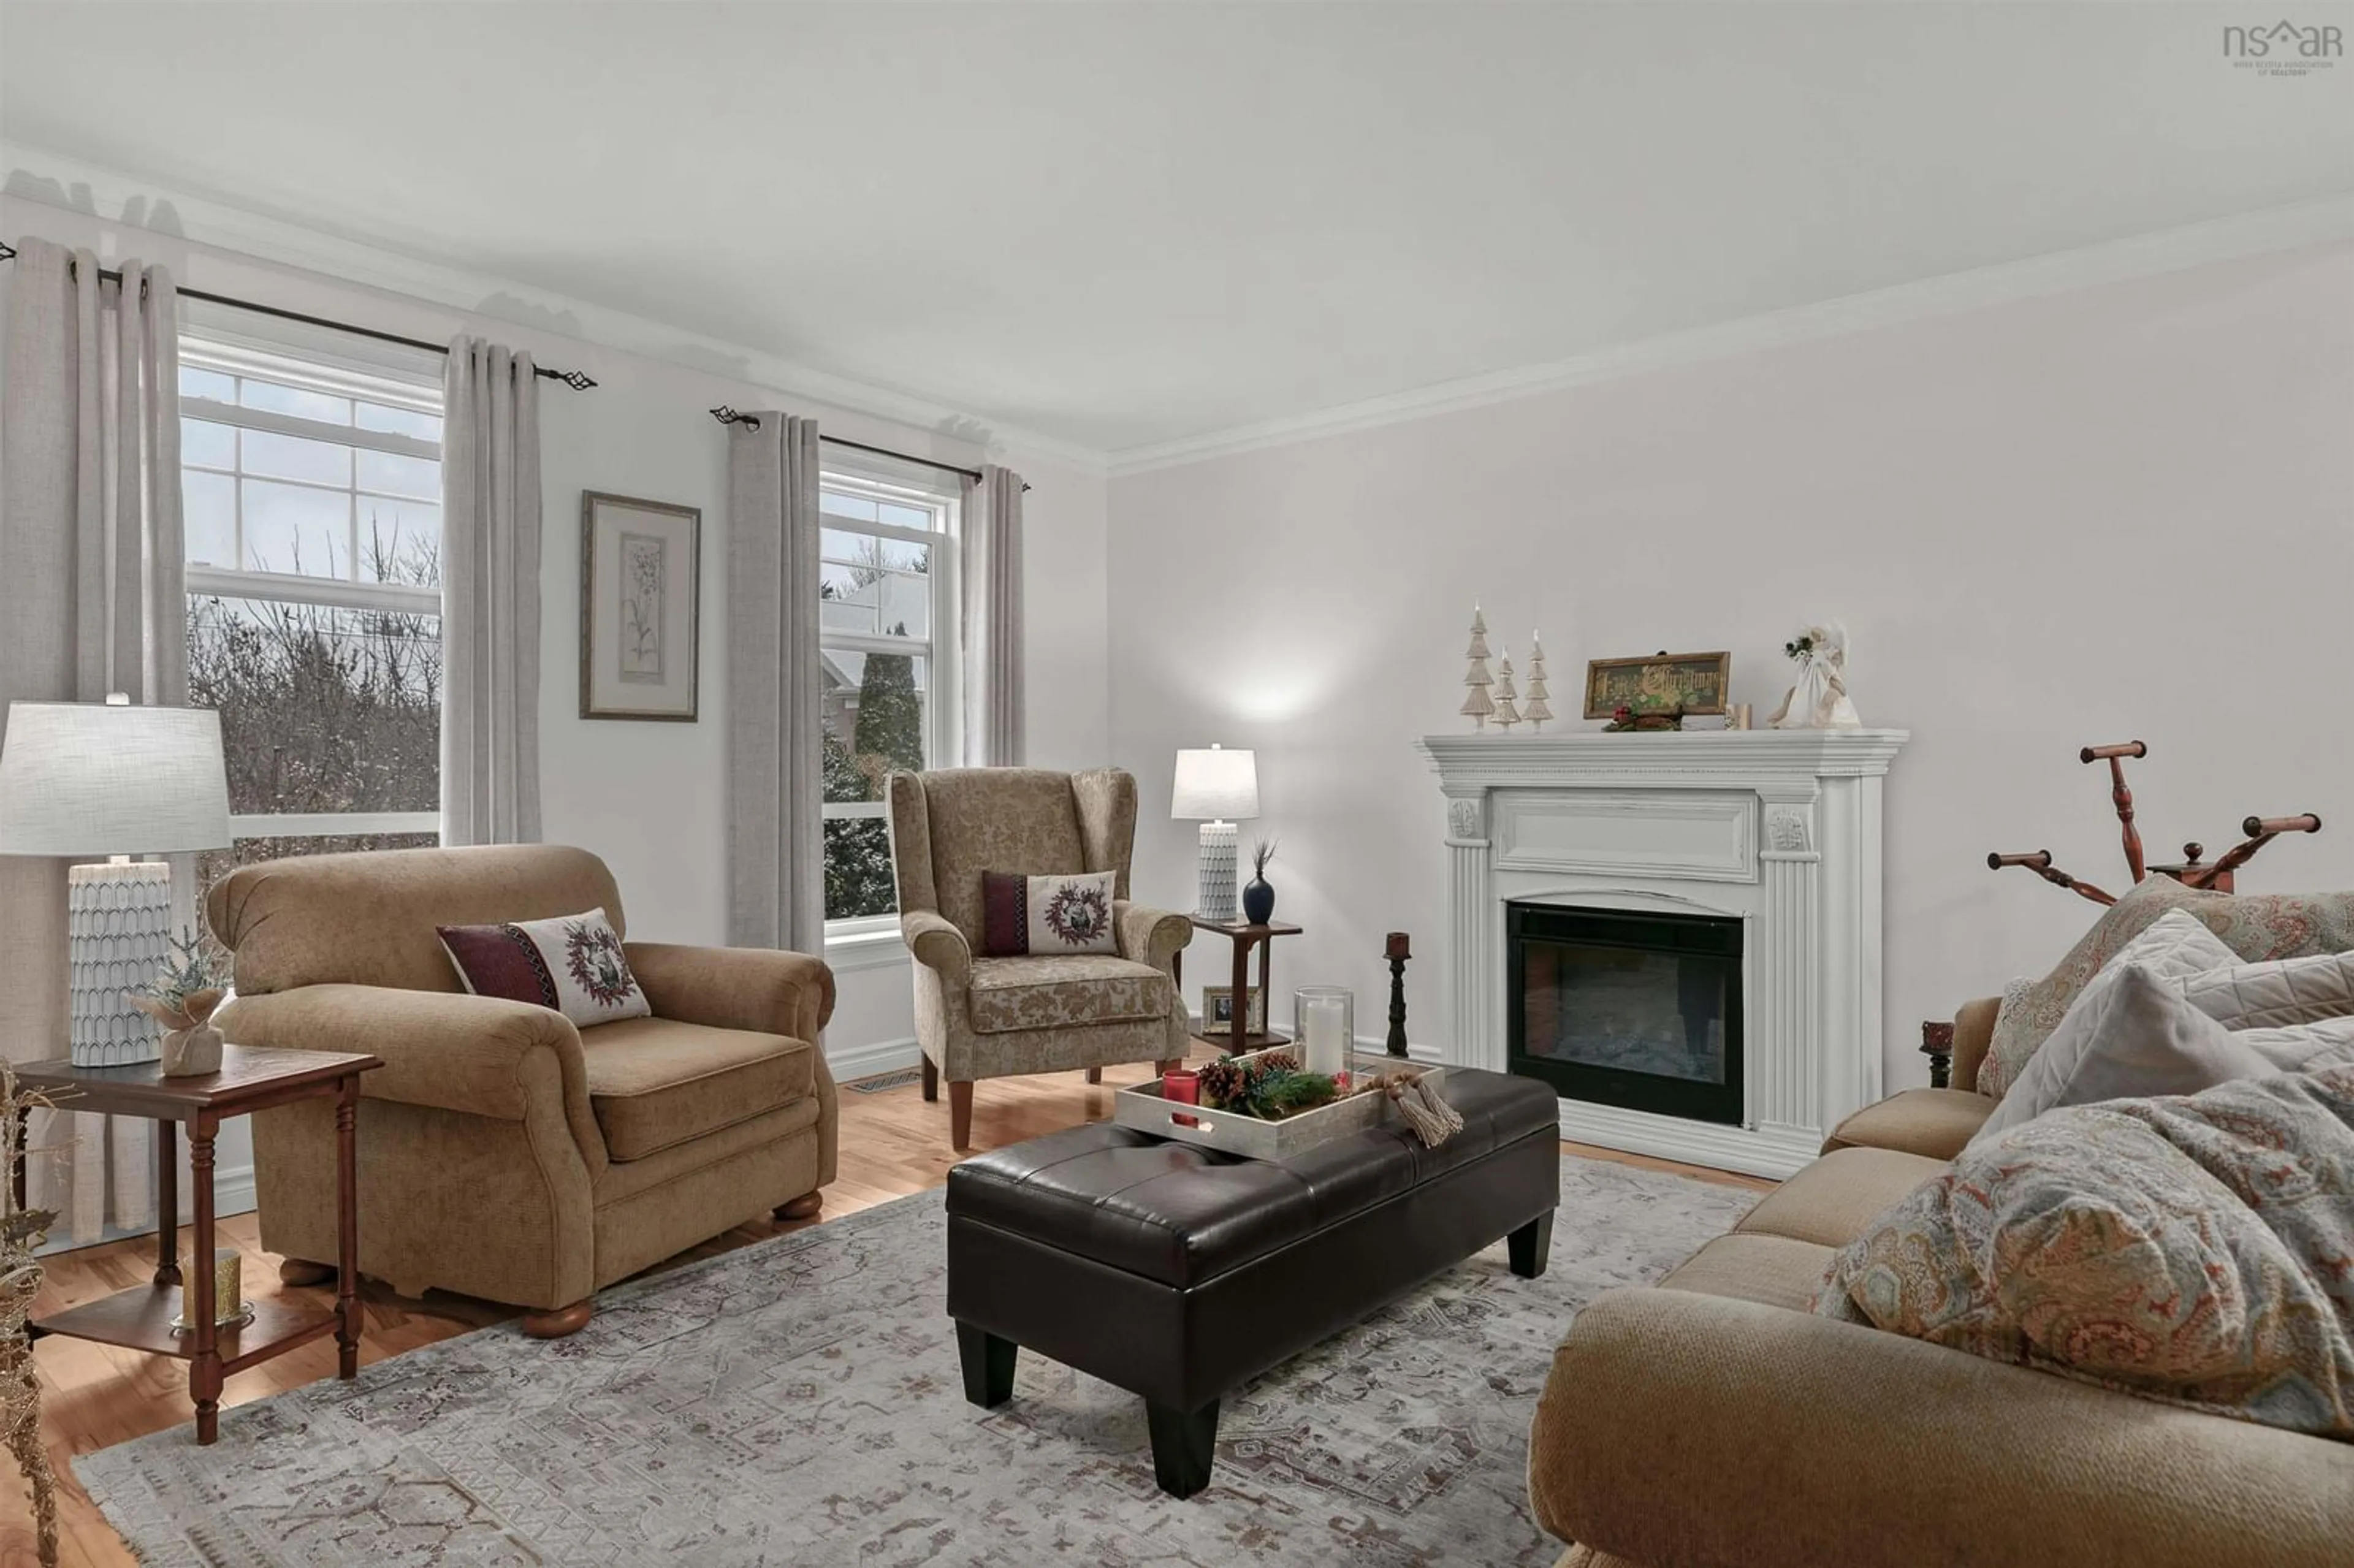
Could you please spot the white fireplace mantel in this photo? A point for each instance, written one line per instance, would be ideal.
(1778, 828)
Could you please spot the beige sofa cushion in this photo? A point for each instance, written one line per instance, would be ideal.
(1831, 1202)
(655, 1081)
(1009, 995)
(1932, 1123)
(1775, 1270)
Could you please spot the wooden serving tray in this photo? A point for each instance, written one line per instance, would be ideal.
(1142, 1108)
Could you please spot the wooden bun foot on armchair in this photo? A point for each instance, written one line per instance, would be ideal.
(558, 1323)
(302, 1271)
(802, 1208)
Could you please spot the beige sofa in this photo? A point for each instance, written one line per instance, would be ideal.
(503, 1152)
(1711, 1422)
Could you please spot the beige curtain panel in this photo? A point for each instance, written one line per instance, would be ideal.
(93, 600)
(490, 596)
(775, 885)
(995, 720)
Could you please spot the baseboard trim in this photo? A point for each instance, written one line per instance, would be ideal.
(864, 1061)
(232, 1194)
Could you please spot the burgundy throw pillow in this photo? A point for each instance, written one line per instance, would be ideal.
(573, 964)
(1030, 916)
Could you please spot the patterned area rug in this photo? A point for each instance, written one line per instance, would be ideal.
(799, 1402)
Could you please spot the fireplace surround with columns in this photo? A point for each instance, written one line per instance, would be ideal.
(1772, 837)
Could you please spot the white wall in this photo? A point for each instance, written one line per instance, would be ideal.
(649, 796)
(2126, 512)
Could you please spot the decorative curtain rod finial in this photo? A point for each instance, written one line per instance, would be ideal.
(7, 251)
(578, 380)
(726, 415)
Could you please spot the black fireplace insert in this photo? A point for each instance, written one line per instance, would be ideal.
(1627, 1008)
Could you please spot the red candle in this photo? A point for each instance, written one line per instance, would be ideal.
(1185, 1088)
(1396, 949)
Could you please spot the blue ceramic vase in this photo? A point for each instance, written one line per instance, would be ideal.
(1259, 901)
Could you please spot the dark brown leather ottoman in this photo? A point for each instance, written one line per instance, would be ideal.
(1179, 1273)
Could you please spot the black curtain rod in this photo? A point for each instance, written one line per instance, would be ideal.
(728, 416)
(580, 381)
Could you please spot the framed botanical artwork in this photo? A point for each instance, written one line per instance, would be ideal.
(641, 608)
(1218, 1010)
(1661, 683)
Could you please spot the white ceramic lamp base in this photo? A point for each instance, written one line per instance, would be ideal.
(118, 933)
(1214, 897)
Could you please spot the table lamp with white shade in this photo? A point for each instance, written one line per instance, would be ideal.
(1214, 785)
(113, 778)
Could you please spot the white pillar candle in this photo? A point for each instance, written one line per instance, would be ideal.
(1321, 1015)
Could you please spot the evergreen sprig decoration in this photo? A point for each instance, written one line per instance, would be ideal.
(1268, 1086)
(194, 967)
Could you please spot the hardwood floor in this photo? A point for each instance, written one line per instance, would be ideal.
(93, 1396)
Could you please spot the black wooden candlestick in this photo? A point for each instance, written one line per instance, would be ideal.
(1398, 955)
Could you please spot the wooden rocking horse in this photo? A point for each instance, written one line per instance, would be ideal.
(2213, 875)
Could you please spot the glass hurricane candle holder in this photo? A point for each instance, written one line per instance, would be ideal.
(1323, 1019)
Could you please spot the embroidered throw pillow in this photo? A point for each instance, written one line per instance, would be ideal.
(1042, 915)
(572, 963)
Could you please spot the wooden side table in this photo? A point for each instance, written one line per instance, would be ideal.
(1245, 936)
(250, 1079)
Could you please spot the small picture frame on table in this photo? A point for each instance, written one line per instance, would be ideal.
(1218, 1009)
(640, 609)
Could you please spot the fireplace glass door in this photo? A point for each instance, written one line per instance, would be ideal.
(1638, 1010)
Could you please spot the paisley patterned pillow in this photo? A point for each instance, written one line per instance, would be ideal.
(2256, 927)
(2191, 1249)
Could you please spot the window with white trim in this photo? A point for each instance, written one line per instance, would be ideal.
(886, 645)
(311, 493)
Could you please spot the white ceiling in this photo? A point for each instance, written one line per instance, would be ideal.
(1122, 224)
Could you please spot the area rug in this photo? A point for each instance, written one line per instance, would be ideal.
(799, 1402)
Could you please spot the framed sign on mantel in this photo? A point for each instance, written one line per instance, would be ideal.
(641, 608)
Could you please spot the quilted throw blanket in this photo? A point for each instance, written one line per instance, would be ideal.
(2196, 1248)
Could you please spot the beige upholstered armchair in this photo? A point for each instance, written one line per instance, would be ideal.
(503, 1152)
(980, 1017)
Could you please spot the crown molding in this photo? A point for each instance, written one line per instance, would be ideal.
(38, 176)
(2148, 255)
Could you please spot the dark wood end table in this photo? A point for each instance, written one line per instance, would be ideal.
(1245, 936)
(251, 1078)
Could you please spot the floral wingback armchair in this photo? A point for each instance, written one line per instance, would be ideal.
(979, 1017)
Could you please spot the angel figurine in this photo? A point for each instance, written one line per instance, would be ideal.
(1819, 699)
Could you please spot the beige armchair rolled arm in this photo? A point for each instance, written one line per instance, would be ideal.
(735, 987)
(937, 945)
(478, 1056)
(1791, 1439)
(1150, 935)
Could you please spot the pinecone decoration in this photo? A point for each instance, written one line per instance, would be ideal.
(1221, 1085)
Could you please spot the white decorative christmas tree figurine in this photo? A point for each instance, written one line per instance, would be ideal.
(1534, 709)
(1475, 701)
(1507, 715)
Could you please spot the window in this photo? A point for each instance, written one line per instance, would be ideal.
(887, 641)
(311, 497)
